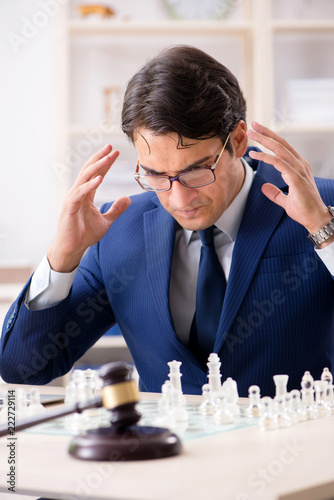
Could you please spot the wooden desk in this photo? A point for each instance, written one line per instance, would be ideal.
(296, 463)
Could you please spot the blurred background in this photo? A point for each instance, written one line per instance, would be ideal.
(66, 64)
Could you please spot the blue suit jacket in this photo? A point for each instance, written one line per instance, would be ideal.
(278, 313)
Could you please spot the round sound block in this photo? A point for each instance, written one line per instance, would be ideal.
(135, 442)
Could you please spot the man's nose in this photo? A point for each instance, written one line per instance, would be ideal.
(181, 196)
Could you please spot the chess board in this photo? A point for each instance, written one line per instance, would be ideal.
(195, 427)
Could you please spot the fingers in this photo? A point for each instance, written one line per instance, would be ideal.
(104, 159)
(117, 208)
(274, 194)
(78, 193)
(98, 155)
(274, 160)
(284, 158)
(270, 140)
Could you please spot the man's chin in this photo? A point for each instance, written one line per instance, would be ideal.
(196, 224)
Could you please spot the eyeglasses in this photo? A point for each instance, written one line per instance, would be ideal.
(196, 178)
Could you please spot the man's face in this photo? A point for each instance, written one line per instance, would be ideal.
(193, 208)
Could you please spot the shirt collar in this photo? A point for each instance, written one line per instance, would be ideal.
(230, 220)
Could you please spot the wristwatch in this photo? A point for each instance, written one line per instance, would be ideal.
(324, 233)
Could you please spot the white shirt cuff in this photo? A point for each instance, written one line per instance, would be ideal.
(327, 256)
(48, 287)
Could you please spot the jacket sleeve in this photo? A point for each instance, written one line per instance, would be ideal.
(38, 346)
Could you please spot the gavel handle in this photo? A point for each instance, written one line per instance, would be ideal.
(30, 422)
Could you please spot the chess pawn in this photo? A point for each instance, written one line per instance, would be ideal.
(296, 406)
(281, 382)
(35, 407)
(78, 377)
(22, 403)
(268, 420)
(229, 389)
(320, 387)
(223, 415)
(307, 393)
(255, 408)
(289, 410)
(171, 407)
(71, 421)
(4, 409)
(326, 376)
(70, 393)
(284, 419)
(208, 405)
(77, 391)
(164, 404)
(90, 382)
(178, 412)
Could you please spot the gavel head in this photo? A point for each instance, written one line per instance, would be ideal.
(123, 439)
(120, 393)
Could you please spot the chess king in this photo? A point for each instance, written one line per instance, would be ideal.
(137, 262)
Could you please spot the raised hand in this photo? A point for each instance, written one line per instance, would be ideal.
(81, 224)
(303, 202)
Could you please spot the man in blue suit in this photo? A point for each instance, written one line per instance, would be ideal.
(135, 263)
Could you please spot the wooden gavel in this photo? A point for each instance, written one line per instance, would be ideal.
(123, 439)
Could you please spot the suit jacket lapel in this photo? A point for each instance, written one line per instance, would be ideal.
(159, 232)
(260, 219)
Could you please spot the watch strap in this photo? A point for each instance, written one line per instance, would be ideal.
(325, 232)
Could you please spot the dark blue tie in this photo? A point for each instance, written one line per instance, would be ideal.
(211, 286)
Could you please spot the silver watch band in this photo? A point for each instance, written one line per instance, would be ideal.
(324, 233)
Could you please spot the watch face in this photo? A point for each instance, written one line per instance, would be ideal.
(198, 9)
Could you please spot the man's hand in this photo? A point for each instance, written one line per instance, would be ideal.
(81, 224)
(303, 203)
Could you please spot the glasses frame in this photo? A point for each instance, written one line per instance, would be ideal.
(178, 178)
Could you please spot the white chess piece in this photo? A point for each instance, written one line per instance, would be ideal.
(320, 387)
(175, 375)
(35, 407)
(4, 409)
(90, 380)
(214, 375)
(164, 403)
(307, 393)
(255, 408)
(289, 409)
(281, 382)
(296, 405)
(230, 390)
(223, 415)
(326, 376)
(283, 416)
(70, 393)
(172, 410)
(208, 406)
(268, 420)
(21, 403)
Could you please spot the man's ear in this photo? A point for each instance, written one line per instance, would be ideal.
(239, 139)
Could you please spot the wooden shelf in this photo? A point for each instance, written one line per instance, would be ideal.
(308, 25)
(165, 27)
(303, 128)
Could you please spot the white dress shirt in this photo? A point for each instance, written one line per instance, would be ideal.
(49, 287)
(182, 291)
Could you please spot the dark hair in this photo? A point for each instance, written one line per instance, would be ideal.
(183, 90)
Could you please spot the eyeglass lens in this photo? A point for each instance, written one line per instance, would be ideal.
(195, 178)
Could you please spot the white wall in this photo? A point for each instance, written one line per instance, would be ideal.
(26, 132)
(28, 192)
(27, 117)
